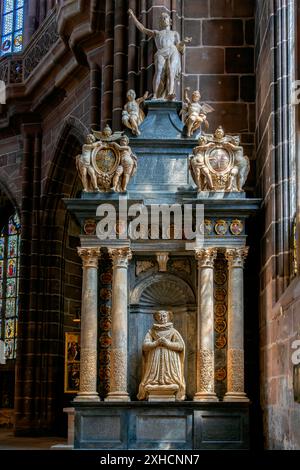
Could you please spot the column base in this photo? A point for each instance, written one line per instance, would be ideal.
(205, 396)
(86, 396)
(117, 396)
(236, 397)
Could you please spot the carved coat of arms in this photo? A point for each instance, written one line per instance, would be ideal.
(105, 164)
(218, 163)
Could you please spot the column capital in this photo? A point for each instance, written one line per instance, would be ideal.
(89, 256)
(236, 256)
(120, 256)
(206, 257)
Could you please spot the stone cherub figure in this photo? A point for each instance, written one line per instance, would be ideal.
(194, 114)
(167, 59)
(126, 168)
(199, 170)
(133, 115)
(241, 168)
(85, 169)
(163, 360)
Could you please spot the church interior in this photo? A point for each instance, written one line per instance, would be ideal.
(118, 331)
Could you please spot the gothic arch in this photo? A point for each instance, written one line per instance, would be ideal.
(62, 177)
(58, 258)
(8, 204)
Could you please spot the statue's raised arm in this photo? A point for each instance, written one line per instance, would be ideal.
(139, 25)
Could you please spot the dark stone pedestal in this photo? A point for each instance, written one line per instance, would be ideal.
(180, 426)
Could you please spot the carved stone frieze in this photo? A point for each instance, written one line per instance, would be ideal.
(181, 265)
(143, 266)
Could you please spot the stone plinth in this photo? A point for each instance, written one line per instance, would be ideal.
(162, 392)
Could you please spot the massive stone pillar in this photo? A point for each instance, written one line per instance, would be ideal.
(205, 325)
(118, 358)
(235, 353)
(88, 340)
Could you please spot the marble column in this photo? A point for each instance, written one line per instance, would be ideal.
(205, 326)
(119, 350)
(235, 352)
(89, 326)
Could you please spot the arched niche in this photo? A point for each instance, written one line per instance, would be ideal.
(161, 291)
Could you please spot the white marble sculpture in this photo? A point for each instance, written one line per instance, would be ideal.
(194, 113)
(167, 59)
(126, 168)
(84, 165)
(133, 115)
(163, 361)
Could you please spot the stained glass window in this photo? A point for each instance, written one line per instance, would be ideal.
(12, 26)
(9, 274)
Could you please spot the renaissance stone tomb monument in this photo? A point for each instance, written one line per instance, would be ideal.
(162, 318)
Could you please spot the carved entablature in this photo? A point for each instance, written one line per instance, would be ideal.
(218, 163)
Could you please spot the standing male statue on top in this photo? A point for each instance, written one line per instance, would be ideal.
(167, 59)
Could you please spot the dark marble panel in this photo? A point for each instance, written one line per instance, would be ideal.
(163, 425)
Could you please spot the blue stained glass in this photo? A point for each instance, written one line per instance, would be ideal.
(6, 44)
(16, 221)
(7, 23)
(8, 5)
(18, 41)
(12, 26)
(19, 19)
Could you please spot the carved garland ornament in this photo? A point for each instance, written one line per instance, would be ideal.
(118, 367)
(206, 370)
(235, 370)
(88, 371)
